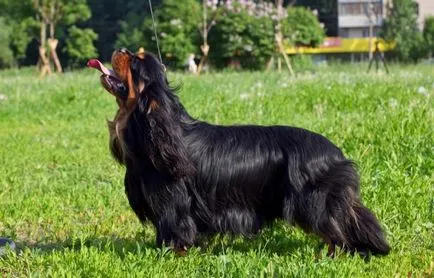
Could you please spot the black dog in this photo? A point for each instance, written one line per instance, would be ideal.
(189, 177)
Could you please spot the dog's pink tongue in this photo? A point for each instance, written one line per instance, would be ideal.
(96, 64)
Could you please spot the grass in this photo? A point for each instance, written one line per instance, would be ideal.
(62, 198)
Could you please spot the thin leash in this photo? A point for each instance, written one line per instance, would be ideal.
(155, 34)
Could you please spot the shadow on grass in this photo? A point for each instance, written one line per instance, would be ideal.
(269, 241)
(121, 246)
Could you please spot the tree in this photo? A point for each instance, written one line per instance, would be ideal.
(18, 16)
(176, 23)
(210, 12)
(279, 36)
(49, 14)
(428, 34)
(113, 19)
(6, 55)
(243, 36)
(79, 45)
(327, 13)
(401, 27)
(302, 28)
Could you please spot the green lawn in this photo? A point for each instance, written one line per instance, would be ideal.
(62, 198)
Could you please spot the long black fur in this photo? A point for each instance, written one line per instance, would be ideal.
(189, 177)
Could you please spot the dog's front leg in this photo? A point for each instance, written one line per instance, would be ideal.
(175, 226)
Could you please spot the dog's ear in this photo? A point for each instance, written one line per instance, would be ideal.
(140, 76)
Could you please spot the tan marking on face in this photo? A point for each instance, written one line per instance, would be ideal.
(121, 65)
(153, 106)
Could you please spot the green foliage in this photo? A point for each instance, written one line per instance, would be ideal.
(400, 26)
(428, 34)
(74, 11)
(16, 10)
(6, 55)
(301, 27)
(302, 63)
(23, 32)
(177, 26)
(241, 38)
(178, 23)
(19, 16)
(113, 18)
(130, 37)
(79, 45)
(62, 197)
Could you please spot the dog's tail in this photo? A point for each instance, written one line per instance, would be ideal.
(363, 232)
(336, 212)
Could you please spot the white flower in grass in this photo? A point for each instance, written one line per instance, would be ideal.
(393, 103)
(422, 90)
(244, 96)
(3, 97)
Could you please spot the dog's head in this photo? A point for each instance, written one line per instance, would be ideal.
(131, 75)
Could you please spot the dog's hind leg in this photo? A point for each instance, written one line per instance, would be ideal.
(330, 206)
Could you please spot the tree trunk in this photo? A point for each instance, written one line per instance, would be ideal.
(52, 43)
(205, 51)
(44, 61)
(205, 46)
(270, 64)
(279, 38)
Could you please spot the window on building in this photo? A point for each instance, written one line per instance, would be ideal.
(343, 32)
(360, 8)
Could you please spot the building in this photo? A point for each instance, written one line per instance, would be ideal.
(354, 18)
(348, 18)
(360, 18)
(352, 28)
(425, 8)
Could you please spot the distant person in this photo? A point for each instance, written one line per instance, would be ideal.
(191, 64)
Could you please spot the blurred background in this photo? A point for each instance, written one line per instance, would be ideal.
(62, 196)
(214, 34)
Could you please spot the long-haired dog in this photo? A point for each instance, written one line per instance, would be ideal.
(190, 177)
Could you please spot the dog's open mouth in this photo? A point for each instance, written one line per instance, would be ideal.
(109, 79)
